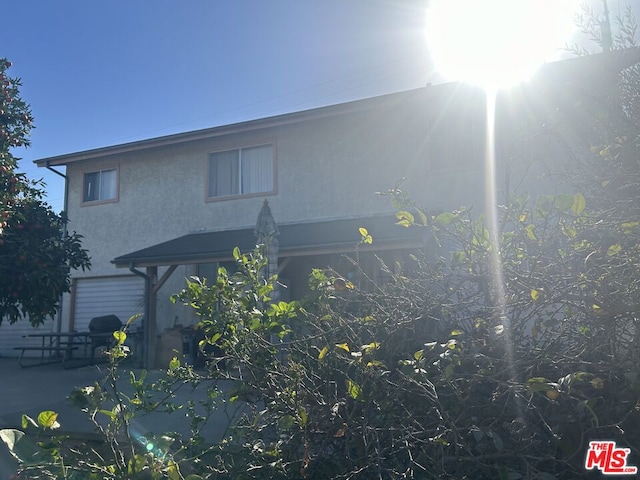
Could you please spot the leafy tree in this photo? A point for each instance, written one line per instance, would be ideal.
(113, 403)
(450, 368)
(36, 256)
(446, 370)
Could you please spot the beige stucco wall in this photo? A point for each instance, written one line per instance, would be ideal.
(327, 168)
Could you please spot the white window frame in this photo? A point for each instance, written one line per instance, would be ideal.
(101, 198)
(239, 187)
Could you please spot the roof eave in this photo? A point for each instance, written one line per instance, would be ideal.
(298, 251)
(207, 133)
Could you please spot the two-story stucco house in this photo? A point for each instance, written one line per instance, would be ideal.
(153, 212)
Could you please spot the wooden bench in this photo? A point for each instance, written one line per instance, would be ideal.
(64, 349)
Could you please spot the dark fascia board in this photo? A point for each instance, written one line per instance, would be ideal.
(188, 249)
(192, 259)
(430, 91)
(296, 239)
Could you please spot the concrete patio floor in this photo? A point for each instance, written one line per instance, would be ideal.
(32, 390)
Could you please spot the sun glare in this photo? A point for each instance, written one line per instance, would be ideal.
(497, 43)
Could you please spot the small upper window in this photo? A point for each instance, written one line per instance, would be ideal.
(100, 186)
(243, 171)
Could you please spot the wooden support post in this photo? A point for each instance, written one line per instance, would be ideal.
(152, 322)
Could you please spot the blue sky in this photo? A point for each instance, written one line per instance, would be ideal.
(116, 71)
(102, 73)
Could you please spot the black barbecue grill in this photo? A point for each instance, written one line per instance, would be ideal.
(101, 332)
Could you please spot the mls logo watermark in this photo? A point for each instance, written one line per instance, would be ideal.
(609, 459)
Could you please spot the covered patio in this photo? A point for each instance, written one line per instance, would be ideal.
(294, 249)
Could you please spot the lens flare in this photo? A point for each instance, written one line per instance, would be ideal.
(497, 43)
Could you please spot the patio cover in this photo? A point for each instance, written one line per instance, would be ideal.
(296, 239)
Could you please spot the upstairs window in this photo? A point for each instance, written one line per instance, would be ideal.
(100, 186)
(243, 171)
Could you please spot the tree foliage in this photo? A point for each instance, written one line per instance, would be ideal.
(448, 369)
(36, 256)
(489, 354)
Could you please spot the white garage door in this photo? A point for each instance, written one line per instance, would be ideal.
(122, 296)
